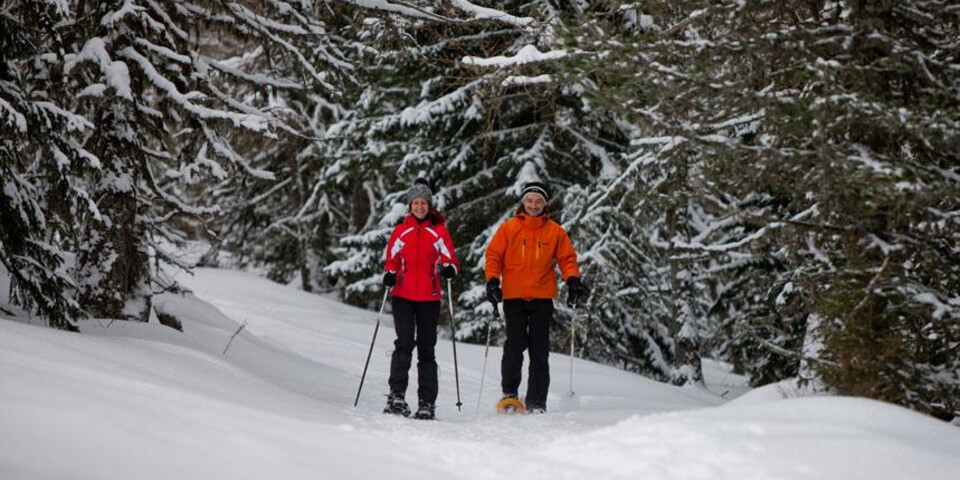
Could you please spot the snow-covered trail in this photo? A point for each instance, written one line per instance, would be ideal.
(338, 336)
(126, 400)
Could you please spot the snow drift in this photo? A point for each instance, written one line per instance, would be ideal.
(127, 400)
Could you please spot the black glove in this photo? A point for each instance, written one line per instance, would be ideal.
(448, 271)
(494, 294)
(576, 291)
(390, 279)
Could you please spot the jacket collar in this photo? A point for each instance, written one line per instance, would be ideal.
(533, 222)
(412, 221)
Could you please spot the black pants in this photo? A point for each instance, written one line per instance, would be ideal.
(528, 327)
(416, 324)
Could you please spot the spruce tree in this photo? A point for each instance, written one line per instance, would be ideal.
(40, 150)
(139, 106)
(802, 155)
(478, 107)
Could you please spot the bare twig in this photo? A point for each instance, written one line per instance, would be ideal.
(699, 15)
(866, 296)
(242, 326)
(819, 226)
(789, 353)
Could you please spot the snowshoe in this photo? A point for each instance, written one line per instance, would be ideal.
(510, 404)
(396, 405)
(427, 411)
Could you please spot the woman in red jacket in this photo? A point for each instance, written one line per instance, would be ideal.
(419, 254)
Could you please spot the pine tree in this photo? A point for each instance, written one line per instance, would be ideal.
(141, 107)
(287, 223)
(810, 179)
(39, 148)
(480, 108)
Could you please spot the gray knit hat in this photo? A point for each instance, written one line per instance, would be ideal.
(420, 189)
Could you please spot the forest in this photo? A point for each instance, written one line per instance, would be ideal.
(769, 183)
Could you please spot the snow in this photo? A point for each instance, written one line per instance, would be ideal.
(771, 393)
(60, 158)
(74, 122)
(93, 90)
(647, 22)
(939, 308)
(484, 13)
(513, 80)
(721, 380)
(885, 247)
(140, 400)
(528, 173)
(12, 116)
(400, 8)
(257, 78)
(116, 72)
(864, 157)
(61, 7)
(164, 51)
(251, 122)
(788, 289)
(116, 16)
(527, 54)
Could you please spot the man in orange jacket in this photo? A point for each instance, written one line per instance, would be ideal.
(523, 253)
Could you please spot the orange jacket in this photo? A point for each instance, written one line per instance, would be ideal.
(524, 251)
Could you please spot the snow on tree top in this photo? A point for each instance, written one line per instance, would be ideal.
(116, 72)
(525, 80)
(18, 120)
(527, 54)
(492, 14)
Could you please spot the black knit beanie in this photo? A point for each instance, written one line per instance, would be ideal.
(536, 187)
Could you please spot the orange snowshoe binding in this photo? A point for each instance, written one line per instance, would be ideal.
(510, 404)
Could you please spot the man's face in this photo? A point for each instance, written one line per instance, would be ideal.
(533, 204)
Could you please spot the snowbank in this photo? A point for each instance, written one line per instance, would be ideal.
(774, 392)
(129, 400)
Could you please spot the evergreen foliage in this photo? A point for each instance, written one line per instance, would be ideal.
(37, 140)
(802, 160)
(772, 183)
(129, 109)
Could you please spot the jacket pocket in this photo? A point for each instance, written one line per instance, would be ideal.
(515, 255)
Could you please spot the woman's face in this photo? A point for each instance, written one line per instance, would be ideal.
(533, 204)
(419, 208)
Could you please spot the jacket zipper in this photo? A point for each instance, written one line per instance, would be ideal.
(538, 249)
(523, 249)
(417, 254)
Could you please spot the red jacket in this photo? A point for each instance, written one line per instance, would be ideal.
(415, 252)
(525, 252)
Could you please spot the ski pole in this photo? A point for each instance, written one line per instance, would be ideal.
(383, 305)
(453, 338)
(573, 332)
(486, 351)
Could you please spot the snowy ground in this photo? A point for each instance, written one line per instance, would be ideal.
(143, 401)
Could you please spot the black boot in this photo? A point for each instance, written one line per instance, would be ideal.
(536, 408)
(396, 405)
(427, 411)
